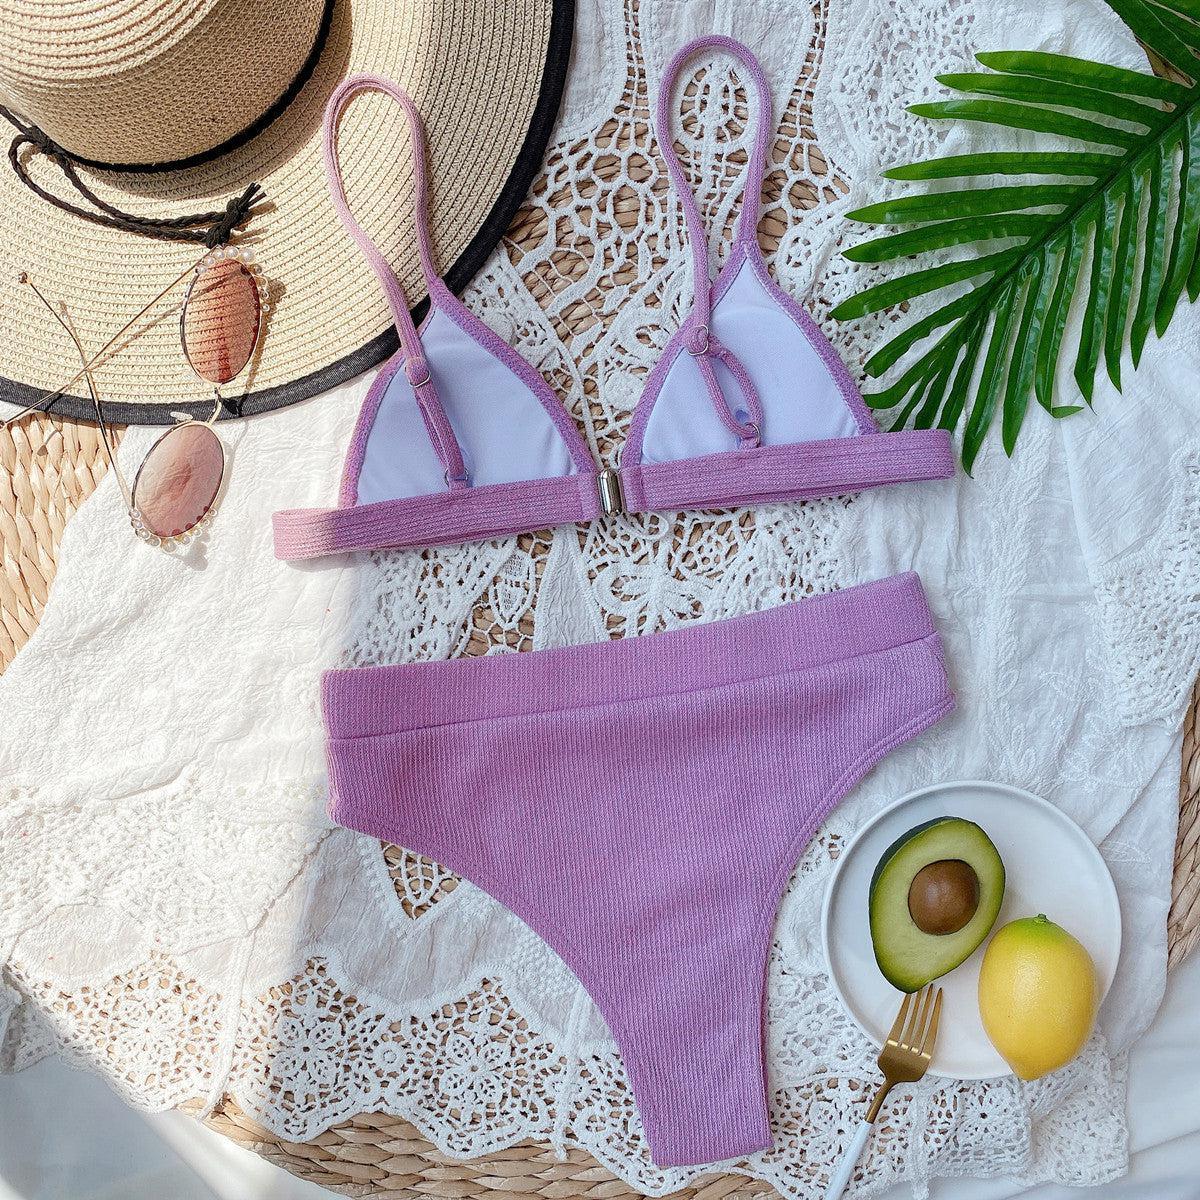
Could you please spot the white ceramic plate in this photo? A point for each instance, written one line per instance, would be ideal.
(1051, 867)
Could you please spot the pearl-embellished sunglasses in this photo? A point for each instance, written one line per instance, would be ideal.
(176, 487)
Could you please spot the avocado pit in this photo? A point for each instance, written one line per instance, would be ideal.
(943, 896)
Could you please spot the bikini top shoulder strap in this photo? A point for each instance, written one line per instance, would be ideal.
(415, 366)
(746, 423)
(746, 229)
(341, 97)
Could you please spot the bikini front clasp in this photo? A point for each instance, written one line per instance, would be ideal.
(612, 495)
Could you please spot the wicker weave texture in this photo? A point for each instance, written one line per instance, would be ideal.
(1183, 921)
(48, 468)
(382, 1156)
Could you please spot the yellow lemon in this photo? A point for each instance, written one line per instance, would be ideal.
(1037, 995)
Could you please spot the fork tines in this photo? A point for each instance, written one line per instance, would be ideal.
(916, 1025)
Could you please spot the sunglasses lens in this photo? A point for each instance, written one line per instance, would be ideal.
(221, 320)
(178, 481)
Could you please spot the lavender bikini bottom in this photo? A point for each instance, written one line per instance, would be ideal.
(640, 804)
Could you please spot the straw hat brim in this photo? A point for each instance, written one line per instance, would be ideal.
(487, 77)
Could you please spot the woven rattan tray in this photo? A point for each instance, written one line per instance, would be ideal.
(47, 468)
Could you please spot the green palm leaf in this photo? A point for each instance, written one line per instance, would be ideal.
(1108, 222)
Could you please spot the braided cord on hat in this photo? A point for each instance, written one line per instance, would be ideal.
(212, 228)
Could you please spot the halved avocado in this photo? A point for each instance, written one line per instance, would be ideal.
(934, 897)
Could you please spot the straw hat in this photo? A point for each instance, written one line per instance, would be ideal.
(166, 108)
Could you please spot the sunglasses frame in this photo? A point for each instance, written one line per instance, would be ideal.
(245, 258)
(186, 535)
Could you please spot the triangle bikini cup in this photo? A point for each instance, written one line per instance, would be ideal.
(460, 439)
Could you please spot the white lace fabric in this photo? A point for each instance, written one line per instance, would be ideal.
(176, 911)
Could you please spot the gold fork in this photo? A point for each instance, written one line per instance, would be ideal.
(904, 1059)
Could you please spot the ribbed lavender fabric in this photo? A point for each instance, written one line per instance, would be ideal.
(640, 804)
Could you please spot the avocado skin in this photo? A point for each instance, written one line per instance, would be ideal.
(908, 957)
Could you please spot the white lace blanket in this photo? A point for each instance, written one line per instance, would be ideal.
(177, 914)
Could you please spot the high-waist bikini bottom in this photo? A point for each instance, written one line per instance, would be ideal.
(640, 804)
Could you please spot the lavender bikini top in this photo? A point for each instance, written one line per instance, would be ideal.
(461, 439)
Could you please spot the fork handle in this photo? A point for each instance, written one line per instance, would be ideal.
(845, 1167)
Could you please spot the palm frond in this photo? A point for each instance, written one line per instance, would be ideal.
(1112, 222)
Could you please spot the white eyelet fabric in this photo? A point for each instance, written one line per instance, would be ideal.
(176, 910)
